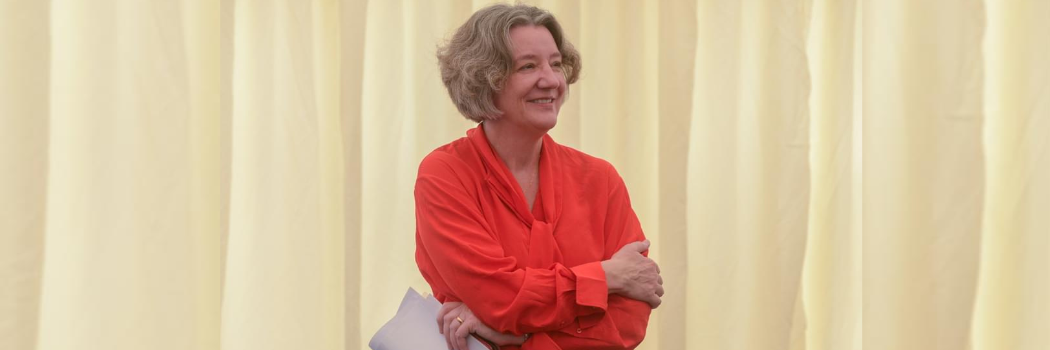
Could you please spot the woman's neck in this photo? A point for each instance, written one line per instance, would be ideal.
(519, 149)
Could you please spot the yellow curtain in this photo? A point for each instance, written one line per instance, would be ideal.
(815, 174)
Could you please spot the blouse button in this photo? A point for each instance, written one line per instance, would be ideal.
(579, 330)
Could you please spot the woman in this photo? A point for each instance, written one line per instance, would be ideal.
(526, 242)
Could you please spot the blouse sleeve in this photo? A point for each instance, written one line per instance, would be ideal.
(623, 324)
(469, 259)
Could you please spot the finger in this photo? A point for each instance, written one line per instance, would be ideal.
(441, 314)
(654, 301)
(450, 329)
(635, 247)
(461, 335)
(660, 291)
(445, 334)
(447, 320)
(639, 246)
(463, 342)
(660, 280)
(450, 338)
(445, 309)
(657, 266)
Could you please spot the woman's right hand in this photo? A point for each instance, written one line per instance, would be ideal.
(631, 274)
(457, 322)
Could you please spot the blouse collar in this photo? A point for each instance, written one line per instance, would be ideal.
(502, 180)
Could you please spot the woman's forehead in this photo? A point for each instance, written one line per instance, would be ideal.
(532, 42)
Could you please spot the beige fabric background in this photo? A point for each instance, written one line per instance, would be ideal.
(815, 174)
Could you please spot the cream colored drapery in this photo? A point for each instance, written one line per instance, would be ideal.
(814, 174)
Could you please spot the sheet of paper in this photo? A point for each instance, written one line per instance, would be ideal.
(414, 327)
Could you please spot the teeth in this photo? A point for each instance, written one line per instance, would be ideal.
(544, 100)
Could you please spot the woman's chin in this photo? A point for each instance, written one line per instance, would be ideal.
(546, 125)
(544, 122)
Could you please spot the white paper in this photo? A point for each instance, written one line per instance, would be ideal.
(415, 327)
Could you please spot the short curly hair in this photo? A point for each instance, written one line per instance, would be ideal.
(477, 60)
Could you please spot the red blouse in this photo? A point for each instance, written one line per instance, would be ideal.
(528, 271)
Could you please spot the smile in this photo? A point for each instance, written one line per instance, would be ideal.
(542, 100)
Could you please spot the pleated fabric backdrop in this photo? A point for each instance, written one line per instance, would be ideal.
(814, 174)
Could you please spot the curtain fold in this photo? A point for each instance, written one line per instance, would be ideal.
(814, 174)
(1012, 310)
(677, 42)
(24, 132)
(406, 114)
(351, 69)
(748, 174)
(831, 272)
(131, 251)
(284, 283)
(923, 179)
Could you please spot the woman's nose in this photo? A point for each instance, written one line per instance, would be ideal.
(548, 78)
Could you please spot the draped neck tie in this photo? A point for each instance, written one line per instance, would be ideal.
(543, 250)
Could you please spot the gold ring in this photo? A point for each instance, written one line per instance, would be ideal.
(459, 319)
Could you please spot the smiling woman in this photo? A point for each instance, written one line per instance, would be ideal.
(535, 88)
(527, 242)
(478, 59)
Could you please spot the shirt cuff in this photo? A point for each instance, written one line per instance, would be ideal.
(591, 287)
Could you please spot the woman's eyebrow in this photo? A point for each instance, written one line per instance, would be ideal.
(525, 57)
(533, 56)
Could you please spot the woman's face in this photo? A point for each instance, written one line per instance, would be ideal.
(535, 89)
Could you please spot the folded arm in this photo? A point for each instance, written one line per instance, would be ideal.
(562, 307)
(472, 264)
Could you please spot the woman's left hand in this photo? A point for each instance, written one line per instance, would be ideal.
(456, 331)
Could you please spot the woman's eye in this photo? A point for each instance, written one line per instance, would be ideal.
(556, 65)
(527, 66)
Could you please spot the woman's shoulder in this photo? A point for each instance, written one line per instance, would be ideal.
(581, 160)
(589, 174)
(455, 158)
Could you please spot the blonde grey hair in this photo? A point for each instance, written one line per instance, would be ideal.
(476, 61)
